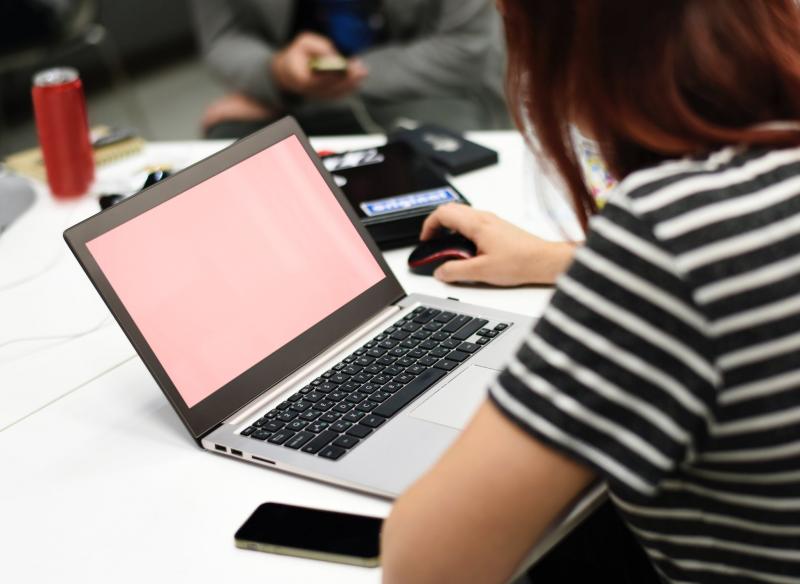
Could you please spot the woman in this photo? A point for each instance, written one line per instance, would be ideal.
(667, 361)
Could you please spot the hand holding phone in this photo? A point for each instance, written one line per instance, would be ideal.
(329, 64)
(312, 533)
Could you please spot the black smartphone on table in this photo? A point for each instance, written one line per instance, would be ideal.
(312, 533)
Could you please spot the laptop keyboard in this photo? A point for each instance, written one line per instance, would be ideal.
(350, 402)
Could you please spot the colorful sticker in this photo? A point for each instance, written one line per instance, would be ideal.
(407, 202)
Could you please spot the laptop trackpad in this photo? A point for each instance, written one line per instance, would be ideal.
(454, 404)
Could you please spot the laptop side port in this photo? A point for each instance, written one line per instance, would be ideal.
(259, 459)
(220, 448)
(236, 452)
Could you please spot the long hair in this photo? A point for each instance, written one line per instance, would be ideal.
(651, 80)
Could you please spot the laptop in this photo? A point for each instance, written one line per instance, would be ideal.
(270, 320)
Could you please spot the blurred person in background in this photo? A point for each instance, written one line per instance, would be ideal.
(426, 60)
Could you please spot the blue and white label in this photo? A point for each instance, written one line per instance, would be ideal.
(407, 202)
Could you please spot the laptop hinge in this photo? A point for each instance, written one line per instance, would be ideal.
(323, 361)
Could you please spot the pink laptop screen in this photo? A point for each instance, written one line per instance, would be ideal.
(224, 274)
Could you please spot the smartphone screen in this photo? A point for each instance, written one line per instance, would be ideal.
(312, 533)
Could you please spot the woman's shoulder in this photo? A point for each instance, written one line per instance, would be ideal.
(692, 182)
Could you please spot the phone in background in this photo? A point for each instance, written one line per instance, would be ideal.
(329, 64)
(312, 533)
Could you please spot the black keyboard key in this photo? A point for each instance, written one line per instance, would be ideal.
(341, 426)
(483, 340)
(468, 347)
(359, 352)
(352, 369)
(364, 361)
(262, 421)
(348, 387)
(283, 406)
(301, 406)
(376, 352)
(337, 396)
(391, 387)
(306, 389)
(482, 332)
(281, 437)
(328, 418)
(320, 442)
(409, 344)
(415, 369)
(381, 379)
(392, 371)
(340, 378)
(271, 415)
(410, 392)
(346, 441)
(310, 415)
(421, 335)
(314, 397)
(362, 377)
(380, 338)
(249, 430)
(294, 398)
(353, 417)
(373, 421)
(432, 326)
(427, 315)
(427, 361)
(370, 345)
(456, 323)
(440, 336)
(469, 329)
(445, 317)
(491, 334)
(359, 431)
(339, 366)
(349, 359)
(439, 352)
(446, 365)
(286, 416)
(324, 405)
(375, 369)
(369, 387)
(387, 360)
(296, 426)
(272, 426)
(411, 327)
(418, 309)
(366, 406)
(327, 387)
(457, 356)
(389, 344)
(260, 434)
(416, 354)
(399, 335)
(298, 440)
(403, 378)
(343, 407)
(428, 345)
(405, 362)
(329, 374)
(501, 327)
(317, 427)
(398, 352)
(332, 452)
(449, 344)
(356, 397)
(379, 396)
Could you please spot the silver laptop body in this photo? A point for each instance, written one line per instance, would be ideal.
(397, 451)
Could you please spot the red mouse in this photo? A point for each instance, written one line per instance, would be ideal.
(431, 254)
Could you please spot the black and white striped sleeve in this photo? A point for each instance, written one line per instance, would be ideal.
(619, 371)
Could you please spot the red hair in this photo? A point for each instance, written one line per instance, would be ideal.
(651, 80)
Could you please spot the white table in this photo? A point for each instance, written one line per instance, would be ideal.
(99, 478)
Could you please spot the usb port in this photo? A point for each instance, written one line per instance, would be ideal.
(220, 448)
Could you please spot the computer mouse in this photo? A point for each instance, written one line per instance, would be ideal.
(431, 254)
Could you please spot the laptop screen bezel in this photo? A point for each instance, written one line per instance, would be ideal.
(252, 383)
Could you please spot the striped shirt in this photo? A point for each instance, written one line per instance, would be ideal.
(669, 361)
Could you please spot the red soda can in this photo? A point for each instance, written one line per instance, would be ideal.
(63, 128)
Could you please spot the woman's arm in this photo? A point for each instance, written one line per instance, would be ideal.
(477, 513)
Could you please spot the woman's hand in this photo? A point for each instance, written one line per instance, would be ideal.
(507, 255)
